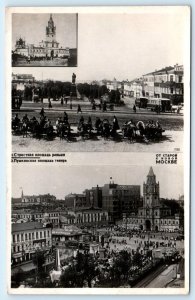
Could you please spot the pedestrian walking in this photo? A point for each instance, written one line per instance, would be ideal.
(134, 108)
(79, 109)
(49, 105)
(42, 112)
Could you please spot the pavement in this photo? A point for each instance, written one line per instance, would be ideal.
(134, 242)
(166, 277)
(169, 141)
(42, 63)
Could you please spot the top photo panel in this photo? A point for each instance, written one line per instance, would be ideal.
(44, 40)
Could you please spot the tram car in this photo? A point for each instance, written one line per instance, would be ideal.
(163, 103)
(141, 102)
(154, 103)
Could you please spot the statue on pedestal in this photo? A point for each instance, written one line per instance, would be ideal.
(73, 78)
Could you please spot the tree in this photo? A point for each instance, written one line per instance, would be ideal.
(83, 269)
(17, 278)
(103, 90)
(70, 278)
(117, 96)
(120, 269)
(38, 260)
(89, 269)
(112, 96)
(137, 260)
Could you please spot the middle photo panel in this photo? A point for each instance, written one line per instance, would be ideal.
(121, 97)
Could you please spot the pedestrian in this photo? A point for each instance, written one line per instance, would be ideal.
(79, 109)
(62, 101)
(42, 112)
(65, 117)
(104, 106)
(134, 108)
(115, 124)
(49, 105)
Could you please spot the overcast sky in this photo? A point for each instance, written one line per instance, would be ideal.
(32, 28)
(63, 180)
(124, 46)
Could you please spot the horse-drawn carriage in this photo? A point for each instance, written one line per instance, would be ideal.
(106, 129)
(32, 128)
(146, 132)
(85, 130)
(43, 128)
(63, 130)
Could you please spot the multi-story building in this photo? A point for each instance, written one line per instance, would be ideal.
(76, 200)
(94, 196)
(113, 85)
(154, 214)
(20, 81)
(27, 238)
(22, 216)
(118, 199)
(35, 200)
(114, 198)
(47, 48)
(40, 199)
(165, 83)
(134, 88)
(67, 233)
(85, 217)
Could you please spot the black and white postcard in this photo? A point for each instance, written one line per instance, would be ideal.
(98, 131)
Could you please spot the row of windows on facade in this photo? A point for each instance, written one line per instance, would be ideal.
(166, 90)
(156, 78)
(43, 51)
(91, 218)
(164, 213)
(30, 247)
(165, 222)
(121, 192)
(27, 216)
(30, 236)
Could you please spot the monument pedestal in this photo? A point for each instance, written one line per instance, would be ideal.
(73, 91)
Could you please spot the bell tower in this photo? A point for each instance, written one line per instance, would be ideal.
(151, 191)
(51, 30)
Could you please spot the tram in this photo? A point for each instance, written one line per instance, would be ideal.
(154, 103)
(163, 103)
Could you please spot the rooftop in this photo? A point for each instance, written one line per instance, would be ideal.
(68, 230)
(26, 226)
(151, 172)
(166, 69)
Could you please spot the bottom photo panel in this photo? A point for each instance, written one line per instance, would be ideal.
(97, 227)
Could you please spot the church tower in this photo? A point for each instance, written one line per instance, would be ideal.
(51, 30)
(151, 191)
